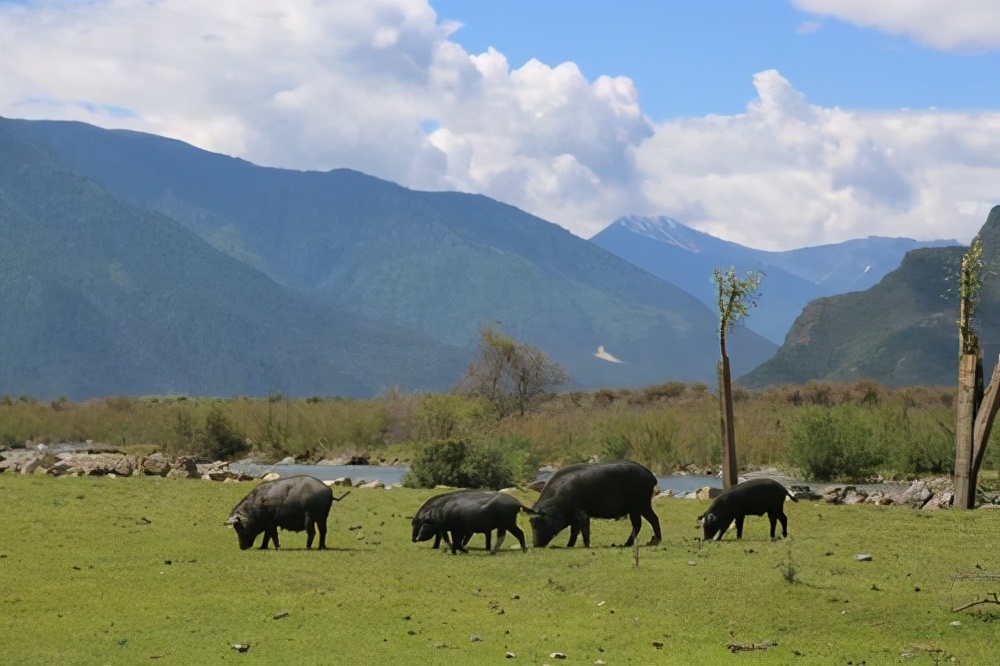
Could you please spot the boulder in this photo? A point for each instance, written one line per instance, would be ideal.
(375, 484)
(664, 495)
(834, 495)
(93, 464)
(184, 467)
(537, 485)
(270, 476)
(854, 496)
(916, 495)
(341, 481)
(941, 500)
(155, 464)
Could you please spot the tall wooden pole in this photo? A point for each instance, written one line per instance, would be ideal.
(730, 477)
(965, 407)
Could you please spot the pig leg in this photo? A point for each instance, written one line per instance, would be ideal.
(739, 526)
(519, 535)
(310, 531)
(489, 538)
(501, 535)
(573, 531)
(636, 526)
(585, 530)
(654, 521)
(321, 525)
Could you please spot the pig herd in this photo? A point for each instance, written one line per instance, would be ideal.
(570, 498)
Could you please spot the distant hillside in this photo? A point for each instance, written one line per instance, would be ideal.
(685, 257)
(902, 331)
(432, 267)
(101, 297)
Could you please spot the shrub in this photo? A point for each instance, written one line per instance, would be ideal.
(459, 464)
(833, 443)
(220, 438)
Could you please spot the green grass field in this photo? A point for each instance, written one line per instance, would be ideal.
(142, 570)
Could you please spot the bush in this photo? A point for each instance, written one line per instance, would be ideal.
(834, 443)
(220, 438)
(459, 464)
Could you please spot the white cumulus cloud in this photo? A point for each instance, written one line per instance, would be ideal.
(962, 25)
(380, 86)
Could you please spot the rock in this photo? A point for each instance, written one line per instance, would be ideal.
(359, 459)
(804, 493)
(864, 557)
(36, 463)
(537, 485)
(286, 461)
(707, 492)
(155, 464)
(834, 495)
(557, 655)
(228, 475)
(184, 467)
(375, 485)
(916, 495)
(475, 638)
(241, 647)
(270, 476)
(342, 481)
(666, 494)
(854, 496)
(941, 500)
(334, 462)
(509, 655)
(97, 464)
(658, 645)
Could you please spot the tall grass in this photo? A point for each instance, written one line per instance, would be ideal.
(666, 426)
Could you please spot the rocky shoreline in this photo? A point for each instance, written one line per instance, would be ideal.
(88, 459)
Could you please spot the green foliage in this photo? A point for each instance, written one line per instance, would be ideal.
(645, 438)
(444, 415)
(833, 444)
(221, 441)
(511, 376)
(459, 464)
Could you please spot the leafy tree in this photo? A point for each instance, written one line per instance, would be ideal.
(736, 297)
(510, 375)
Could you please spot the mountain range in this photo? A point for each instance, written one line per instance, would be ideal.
(686, 257)
(138, 264)
(902, 331)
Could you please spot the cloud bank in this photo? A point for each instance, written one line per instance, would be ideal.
(380, 87)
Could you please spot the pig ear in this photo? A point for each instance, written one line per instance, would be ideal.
(234, 519)
(709, 517)
(530, 511)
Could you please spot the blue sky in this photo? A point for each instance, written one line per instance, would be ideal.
(697, 57)
(776, 124)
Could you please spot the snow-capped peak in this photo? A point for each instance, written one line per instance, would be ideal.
(663, 229)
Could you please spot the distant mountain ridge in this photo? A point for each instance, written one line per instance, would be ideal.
(900, 332)
(686, 257)
(399, 280)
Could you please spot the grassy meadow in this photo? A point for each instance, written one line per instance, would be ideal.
(142, 570)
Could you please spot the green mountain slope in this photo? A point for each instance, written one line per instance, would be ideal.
(902, 331)
(103, 297)
(441, 264)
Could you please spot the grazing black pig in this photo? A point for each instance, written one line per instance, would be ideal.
(577, 493)
(466, 513)
(296, 503)
(751, 498)
(423, 530)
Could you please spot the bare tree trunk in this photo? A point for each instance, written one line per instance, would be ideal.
(729, 467)
(965, 408)
(988, 405)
